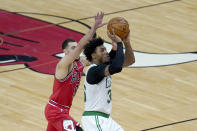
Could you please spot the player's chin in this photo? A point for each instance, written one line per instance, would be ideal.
(107, 59)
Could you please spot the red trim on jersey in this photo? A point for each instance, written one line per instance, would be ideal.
(55, 104)
(74, 66)
(62, 80)
(64, 90)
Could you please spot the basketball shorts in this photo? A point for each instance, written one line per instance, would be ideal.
(97, 121)
(59, 119)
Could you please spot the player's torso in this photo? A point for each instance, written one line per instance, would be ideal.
(64, 90)
(98, 96)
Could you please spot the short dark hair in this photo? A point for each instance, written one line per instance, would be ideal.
(65, 43)
(91, 47)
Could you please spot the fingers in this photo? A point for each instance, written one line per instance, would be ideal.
(118, 39)
(113, 31)
(127, 38)
(99, 15)
(113, 37)
(128, 35)
(98, 20)
(109, 34)
(105, 23)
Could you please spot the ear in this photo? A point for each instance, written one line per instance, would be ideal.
(93, 56)
(65, 51)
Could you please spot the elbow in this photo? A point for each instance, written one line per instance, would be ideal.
(118, 69)
(132, 61)
(115, 69)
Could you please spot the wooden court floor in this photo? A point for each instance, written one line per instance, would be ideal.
(157, 93)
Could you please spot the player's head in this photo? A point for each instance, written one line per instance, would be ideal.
(68, 46)
(96, 52)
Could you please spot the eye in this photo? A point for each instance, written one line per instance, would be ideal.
(73, 47)
(103, 49)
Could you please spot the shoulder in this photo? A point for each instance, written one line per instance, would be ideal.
(91, 68)
(96, 68)
(95, 73)
(62, 72)
(84, 61)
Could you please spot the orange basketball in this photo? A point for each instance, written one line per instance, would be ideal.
(120, 27)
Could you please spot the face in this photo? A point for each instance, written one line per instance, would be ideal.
(70, 48)
(101, 55)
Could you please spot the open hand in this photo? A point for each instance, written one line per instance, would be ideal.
(99, 20)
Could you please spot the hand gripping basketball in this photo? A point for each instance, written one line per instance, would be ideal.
(113, 37)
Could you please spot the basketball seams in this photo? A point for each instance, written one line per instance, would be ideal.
(120, 26)
(123, 29)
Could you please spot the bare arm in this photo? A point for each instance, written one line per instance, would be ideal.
(84, 61)
(65, 63)
(129, 55)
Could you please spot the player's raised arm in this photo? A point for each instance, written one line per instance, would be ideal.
(84, 40)
(112, 53)
(117, 62)
(74, 50)
(84, 61)
(129, 58)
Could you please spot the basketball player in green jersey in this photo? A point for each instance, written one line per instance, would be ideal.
(97, 87)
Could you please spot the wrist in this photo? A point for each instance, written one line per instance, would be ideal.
(119, 43)
(126, 41)
(113, 50)
(127, 44)
(95, 25)
(93, 28)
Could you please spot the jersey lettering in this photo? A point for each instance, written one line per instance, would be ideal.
(64, 91)
(108, 82)
(109, 93)
(75, 90)
(75, 77)
(84, 93)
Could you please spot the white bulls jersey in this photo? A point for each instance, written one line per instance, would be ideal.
(98, 96)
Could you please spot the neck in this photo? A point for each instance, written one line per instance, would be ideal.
(96, 62)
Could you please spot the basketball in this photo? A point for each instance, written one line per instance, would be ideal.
(120, 27)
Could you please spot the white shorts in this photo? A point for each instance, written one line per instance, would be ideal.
(99, 123)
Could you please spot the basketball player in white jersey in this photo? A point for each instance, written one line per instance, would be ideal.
(97, 87)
